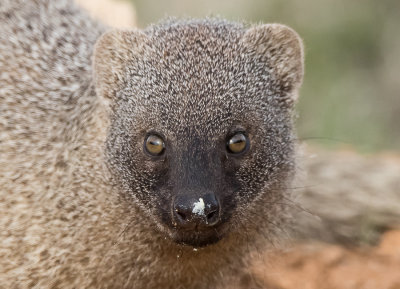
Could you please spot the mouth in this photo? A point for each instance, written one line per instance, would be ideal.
(196, 238)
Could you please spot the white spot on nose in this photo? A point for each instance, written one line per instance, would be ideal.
(198, 207)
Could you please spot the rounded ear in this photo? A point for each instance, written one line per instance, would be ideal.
(113, 51)
(281, 48)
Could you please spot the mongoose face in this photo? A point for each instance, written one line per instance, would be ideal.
(200, 121)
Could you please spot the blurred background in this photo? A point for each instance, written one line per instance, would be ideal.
(351, 91)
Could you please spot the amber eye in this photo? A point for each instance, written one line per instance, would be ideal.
(154, 145)
(237, 143)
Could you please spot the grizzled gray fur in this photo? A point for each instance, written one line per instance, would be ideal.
(83, 202)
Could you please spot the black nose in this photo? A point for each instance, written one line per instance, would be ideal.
(190, 213)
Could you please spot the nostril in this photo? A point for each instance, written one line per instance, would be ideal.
(180, 215)
(212, 217)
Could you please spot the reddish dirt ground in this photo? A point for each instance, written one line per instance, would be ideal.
(323, 266)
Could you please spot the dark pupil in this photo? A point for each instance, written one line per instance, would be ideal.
(237, 143)
(154, 142)
(154, 145)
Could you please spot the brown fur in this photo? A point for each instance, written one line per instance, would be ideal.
(64, 222)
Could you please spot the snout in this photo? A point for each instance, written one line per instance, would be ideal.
(196, 213)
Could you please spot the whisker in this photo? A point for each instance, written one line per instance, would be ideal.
(126, 227)
(322, 138)
(299, 206)
(114, 243)
(301, 187)
(275, 225)
(256, 227)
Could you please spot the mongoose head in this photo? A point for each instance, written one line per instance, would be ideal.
(200, 121)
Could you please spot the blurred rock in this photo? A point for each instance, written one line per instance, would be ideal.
(352, 197)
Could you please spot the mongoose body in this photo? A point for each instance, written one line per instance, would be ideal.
(108, 164)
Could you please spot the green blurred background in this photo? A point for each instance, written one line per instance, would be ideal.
(351, 91)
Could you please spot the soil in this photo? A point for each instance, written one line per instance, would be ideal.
(325, 266)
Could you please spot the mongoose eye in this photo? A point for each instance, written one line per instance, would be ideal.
(238, 143)
(154, 145)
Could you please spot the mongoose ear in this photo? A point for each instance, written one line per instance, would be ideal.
(281, 48)
(113, 51)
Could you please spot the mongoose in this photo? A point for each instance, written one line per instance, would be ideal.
(155, 158)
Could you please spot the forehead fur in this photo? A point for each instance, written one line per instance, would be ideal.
(199, 72)
(196, 73)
